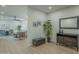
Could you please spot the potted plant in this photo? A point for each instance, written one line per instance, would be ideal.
(47, 27)
(19, 28)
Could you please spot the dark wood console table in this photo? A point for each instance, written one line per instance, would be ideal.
(69, 40)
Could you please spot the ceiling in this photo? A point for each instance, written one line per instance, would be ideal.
(44, 8)
(21, 10)
(13, 10)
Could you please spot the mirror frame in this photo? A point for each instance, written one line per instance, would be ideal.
(69, 27)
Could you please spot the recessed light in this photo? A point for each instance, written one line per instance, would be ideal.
(50, 7)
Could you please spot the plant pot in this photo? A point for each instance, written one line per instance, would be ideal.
(48, 39)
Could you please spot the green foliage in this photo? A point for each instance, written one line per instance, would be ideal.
(47, 27)
(19, 28)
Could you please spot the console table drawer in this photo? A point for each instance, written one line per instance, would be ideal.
(69, 39)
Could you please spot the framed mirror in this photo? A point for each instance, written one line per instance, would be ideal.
(69, 23)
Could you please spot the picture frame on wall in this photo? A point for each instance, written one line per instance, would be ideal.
(36, 24)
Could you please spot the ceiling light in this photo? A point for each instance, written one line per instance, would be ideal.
(50, 7)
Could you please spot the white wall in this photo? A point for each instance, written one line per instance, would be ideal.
(24, 25)
(67, 12)
(34, 16)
